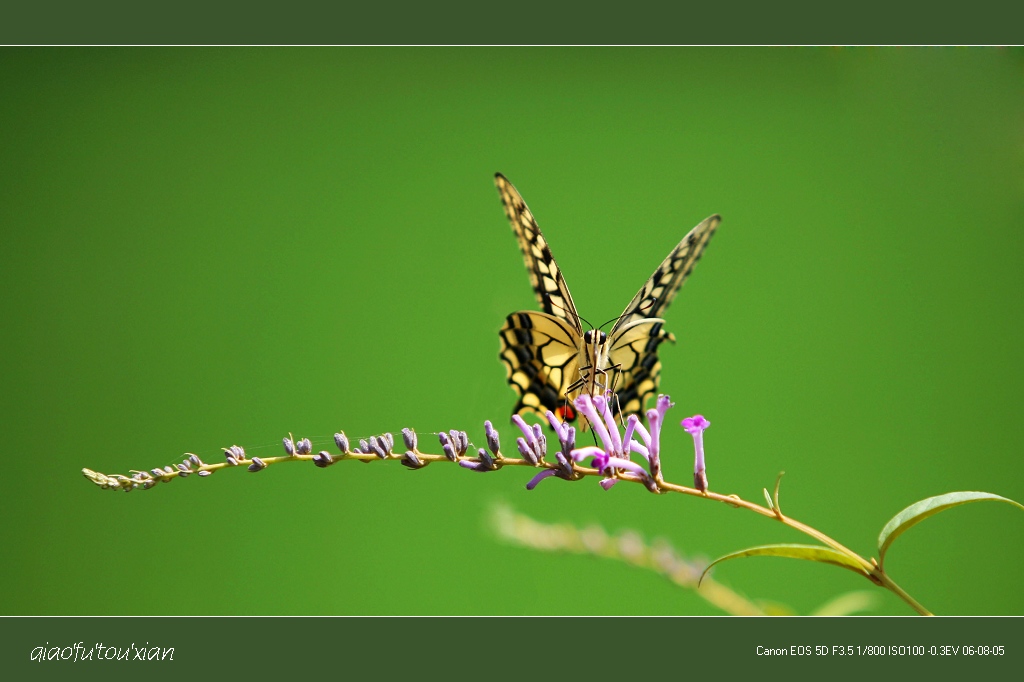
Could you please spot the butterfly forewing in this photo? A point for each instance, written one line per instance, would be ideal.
(635, 338)
(545, 276)
(546, 358)
(662, 286)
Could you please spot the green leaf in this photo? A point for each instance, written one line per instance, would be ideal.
(817, 553)
(919, 511)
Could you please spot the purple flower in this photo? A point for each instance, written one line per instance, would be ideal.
(525, 451)
(613, 455)
(530, 447)
(447, 447)
(566, 434)
(493, 442)
(564, 470)
(656, 417)
(604, 407)
(695, 426)
(589, 408)
(540, 477)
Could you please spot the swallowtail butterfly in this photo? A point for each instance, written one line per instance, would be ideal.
(550, 359)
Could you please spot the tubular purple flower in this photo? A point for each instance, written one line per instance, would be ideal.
(460, 440)
(409, 438)
(585, 405)
(656, 418)
(412, 461)
(527, 430)
(695, 426)
(639, 449)
(581, 454)
(604, 462)
(644, 434)
(447, 447)
(603, 406)
(560, 428)
(540, 477)
(632, 424)
(607, 483)
(565, 466)
(377, 446)
(626, 465)
(486, 459)
(566, 434)
(570, 440)
(663, 405)
(542, 441)
(493, 441)
(525, 451)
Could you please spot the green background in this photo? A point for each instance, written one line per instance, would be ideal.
(213, 246)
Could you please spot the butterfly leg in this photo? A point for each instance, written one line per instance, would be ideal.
(616, 369)
(584, 380)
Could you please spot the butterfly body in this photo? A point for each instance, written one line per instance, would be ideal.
(549, 358)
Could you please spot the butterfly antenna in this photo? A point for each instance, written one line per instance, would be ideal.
(642, 308)
(566, 312)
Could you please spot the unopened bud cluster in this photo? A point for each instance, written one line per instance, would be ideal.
(611, 460)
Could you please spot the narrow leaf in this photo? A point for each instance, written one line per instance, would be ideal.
(919, 511)
(817, 553)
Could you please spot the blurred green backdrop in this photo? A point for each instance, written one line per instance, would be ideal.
(213, 246)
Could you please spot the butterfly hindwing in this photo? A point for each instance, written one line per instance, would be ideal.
(540, 354)
(633, 350)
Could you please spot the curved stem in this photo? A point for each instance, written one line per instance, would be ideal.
(888, 583)
(871, 570)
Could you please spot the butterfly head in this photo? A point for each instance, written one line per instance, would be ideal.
(595, 337)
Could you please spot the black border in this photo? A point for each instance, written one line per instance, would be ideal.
(525, 22)
(261, 648)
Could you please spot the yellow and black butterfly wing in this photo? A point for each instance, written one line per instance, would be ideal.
(634, 340)
(633, 353)
(545, 276)
(655, 295)
(541, 357)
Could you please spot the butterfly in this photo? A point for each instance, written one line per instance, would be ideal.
(550, 360)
